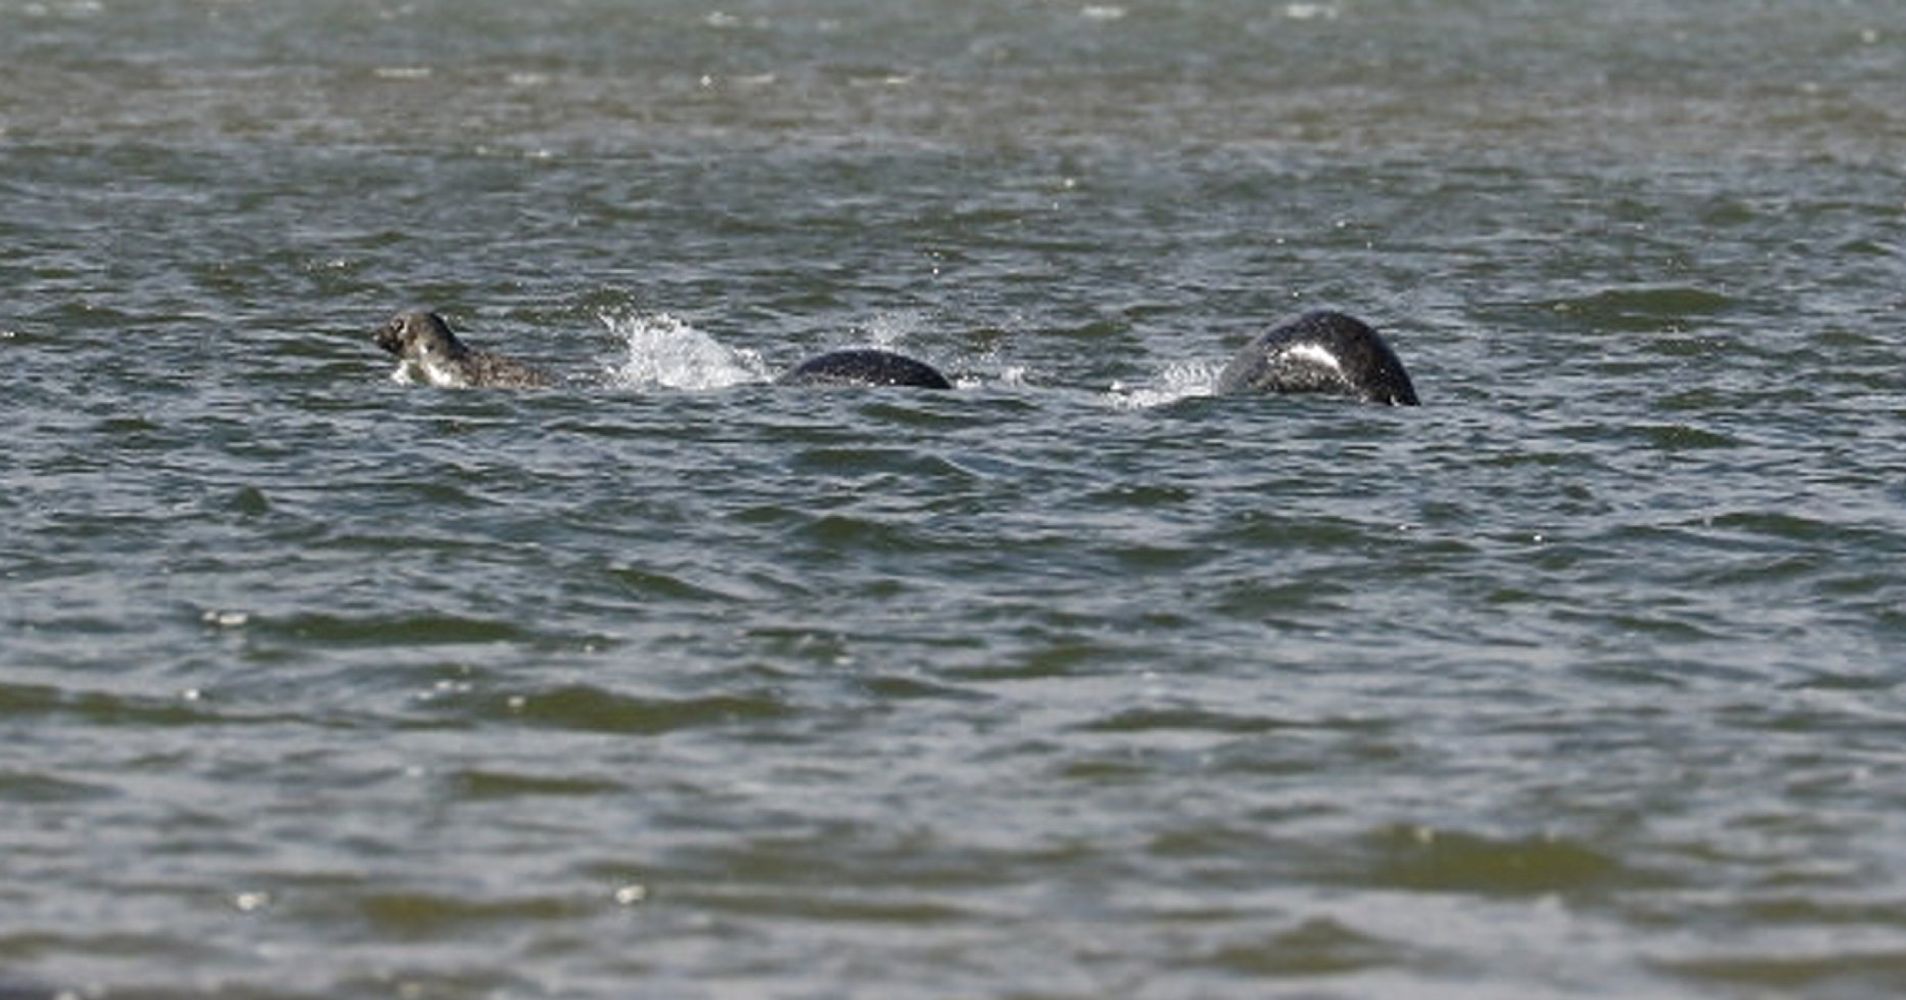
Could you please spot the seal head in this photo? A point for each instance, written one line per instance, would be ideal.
(865, 366)
(1327, 352)
(428, 352)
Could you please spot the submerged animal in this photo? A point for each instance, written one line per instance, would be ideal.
(428, 352)
(865, 366)
(1328, 352)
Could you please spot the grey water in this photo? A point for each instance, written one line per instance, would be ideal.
(1583, 679)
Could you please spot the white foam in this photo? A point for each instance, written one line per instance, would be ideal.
(1014, 376)
(887, 329)
(663, 352)
(1179, 380)
(1311, 11)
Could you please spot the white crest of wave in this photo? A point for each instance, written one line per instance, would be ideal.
(1179, 380)
(667, 353)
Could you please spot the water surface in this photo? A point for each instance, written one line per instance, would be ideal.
(1578, 680)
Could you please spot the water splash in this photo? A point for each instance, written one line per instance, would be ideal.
(667, 353)
(1179, 380)
(1013, 377)
(888, 329)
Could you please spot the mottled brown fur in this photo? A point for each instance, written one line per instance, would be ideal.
(428, 352)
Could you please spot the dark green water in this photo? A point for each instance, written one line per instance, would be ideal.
(1582, 679)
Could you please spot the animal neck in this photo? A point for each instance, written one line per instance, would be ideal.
(431, 370)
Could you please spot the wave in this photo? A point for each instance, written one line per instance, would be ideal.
(1176, 381)
(664, 352)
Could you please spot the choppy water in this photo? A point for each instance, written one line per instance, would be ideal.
(1582, 679)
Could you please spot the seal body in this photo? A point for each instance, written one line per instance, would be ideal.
(428, 352)
(1327, 352)
(865, 366)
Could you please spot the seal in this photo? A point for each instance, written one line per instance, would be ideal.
(428, 352)
(865, 366)
(1328, 352)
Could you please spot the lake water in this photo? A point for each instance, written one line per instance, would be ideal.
(1583, 679)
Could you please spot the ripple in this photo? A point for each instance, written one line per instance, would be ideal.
(106, 708)
(427, 914)
(841, 533)
(1645, 308)
(1848, 972)
(1424, 859)
(1050, 657)
(426, 629)
(1779, 524)
(829, 905)
(31, 788)
(1200, 720)
(1681, 437)
(28, 945)
(658, 585)
(19, 989)
(479, 784)
(1315, 947)
(909, 688)
(592, 709)
(923, 469)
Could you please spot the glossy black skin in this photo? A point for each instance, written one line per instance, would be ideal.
(1327, 352)
(865, 366)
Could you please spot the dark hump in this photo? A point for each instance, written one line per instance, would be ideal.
(1327, 352)
(865, 366)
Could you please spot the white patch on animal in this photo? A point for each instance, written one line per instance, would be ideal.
(1316, 355)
